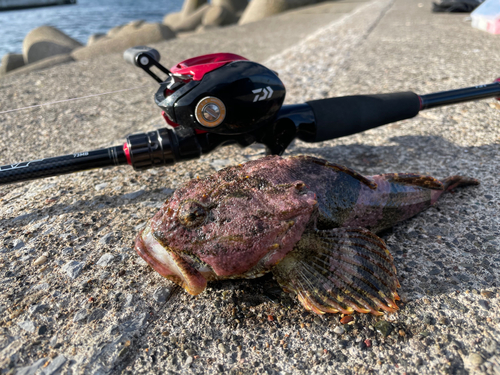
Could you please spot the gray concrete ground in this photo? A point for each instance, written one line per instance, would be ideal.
(89, 305)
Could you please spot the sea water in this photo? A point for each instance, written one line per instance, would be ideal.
(79, 21)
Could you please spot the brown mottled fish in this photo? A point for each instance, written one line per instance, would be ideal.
(309, 222)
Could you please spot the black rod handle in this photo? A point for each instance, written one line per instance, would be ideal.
(59, 165)
(338, 117)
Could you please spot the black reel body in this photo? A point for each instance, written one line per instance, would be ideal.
(236, 98)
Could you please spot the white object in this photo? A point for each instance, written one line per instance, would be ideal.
(486, 17)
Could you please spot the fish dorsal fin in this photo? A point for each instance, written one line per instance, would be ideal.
(413, 179)
(340, 270)
(343, 169)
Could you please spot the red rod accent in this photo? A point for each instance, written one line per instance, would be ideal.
(127, 153)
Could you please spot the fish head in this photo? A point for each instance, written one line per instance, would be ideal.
(229, 225)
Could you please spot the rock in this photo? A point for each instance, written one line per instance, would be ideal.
(105, 260)
(131, 27)
(135, 23)
(234, 6)
(129, 300)
(25, 258)
(125, 29)
(339, 330)
(114, 31)
(475, 359)
(219, 164)
(40, 260)
(218, 16)
(72, 268)
(172, 19)
(161, 294)
(80, 315)
(37, 309)
(10, 353)
(487, 294)
(190, 6)
(443, 321)
(134, 324)
(491, 346)
(42, 286)
(201, 29)
(92, 39)
(96, 314)
(53, 341)
(106, 239)
(67, 251)
(18, 244)
(54, 365)
(192, 21)
(102, 186)
(146, 34)
(42, 330)
(259, 9)
(11, 61)
(27, 325)
(30, 370)
(167, 191)
(188, 362)
(428, 319)
(384, 327)
(222, 348)
(484, 304)
(47, 41)
(135, 194)
(49, 62)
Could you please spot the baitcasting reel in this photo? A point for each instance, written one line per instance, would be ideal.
(219, 99)
(220, 93)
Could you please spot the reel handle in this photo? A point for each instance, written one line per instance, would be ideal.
(131, 54)
(146, 57)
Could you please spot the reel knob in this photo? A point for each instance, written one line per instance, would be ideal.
(130, 55)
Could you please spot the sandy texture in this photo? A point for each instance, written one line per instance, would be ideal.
(75, 299)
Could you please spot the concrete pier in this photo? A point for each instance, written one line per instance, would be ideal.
(76, 299)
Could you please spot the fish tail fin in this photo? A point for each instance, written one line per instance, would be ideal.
(453, 182)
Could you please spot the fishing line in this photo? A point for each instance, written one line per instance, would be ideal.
(73, 99)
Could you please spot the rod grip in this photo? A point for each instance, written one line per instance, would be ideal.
(338, 117)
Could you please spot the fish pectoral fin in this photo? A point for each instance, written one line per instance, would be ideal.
(415, 180)
(340, 270)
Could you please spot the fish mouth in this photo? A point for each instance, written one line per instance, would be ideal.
(169, 263)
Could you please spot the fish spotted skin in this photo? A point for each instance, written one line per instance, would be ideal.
(309, 221)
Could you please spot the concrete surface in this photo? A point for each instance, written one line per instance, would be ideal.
(75, 299)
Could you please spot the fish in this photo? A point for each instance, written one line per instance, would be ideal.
(310, 222)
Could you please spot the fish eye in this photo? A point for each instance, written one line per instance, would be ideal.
(191, 214)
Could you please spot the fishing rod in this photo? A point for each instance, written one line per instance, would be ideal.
(219, 99)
